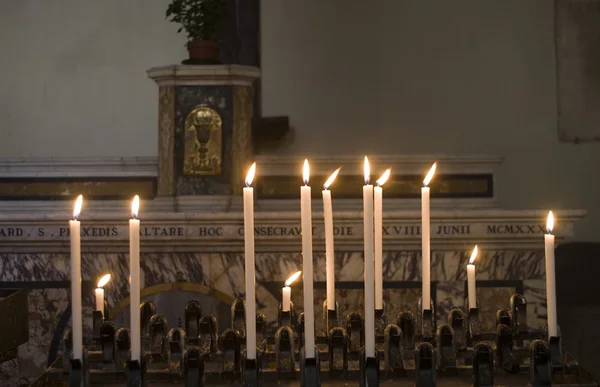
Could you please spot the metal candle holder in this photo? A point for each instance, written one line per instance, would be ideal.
(200, 356)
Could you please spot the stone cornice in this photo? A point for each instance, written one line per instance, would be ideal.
(205, 75)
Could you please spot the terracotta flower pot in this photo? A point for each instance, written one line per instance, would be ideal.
(203, 51)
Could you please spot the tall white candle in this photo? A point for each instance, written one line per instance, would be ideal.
(287, 292)
(550, 278)
(134, 281)
(249, 265)
(378, 210)
(307, 265)
(329, 251)
(425, 241)
(76, 315)
(99, 292)
(471, 285)
(369, 264)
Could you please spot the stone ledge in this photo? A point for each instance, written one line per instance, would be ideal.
(204, 75)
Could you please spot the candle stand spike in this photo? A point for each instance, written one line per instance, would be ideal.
(97, 321)
(79, 373)
(338, 351)
(426, 321)
(555, 349)
(107, 342)
(518, 308)
(457, 320)
(425, 365)
(310, 369)
(193, 368)
(504, 349)
(369, 369)
(285, 351)
(540, 374)
(331, 316)
(287, 318)
(445, 348)
(408, 324)
(261, 332)
(503, 316)
(230, 346)
(238, 317)
(483, 365)
(122, 347)
(355, 325)
(147, 310)
(135, 374)
(393, 350)
(106, 311)
(207, 338)
(251, 371)
(300, 328)
(192, 315)
(380, 321)
(474, 324)
(175, 349)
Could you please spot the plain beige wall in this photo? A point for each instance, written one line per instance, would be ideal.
(355, 77)
(73, 80)
(430, 77)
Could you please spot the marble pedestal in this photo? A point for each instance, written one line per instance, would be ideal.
(204, 128)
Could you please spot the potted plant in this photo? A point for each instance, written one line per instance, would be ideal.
(202, 21)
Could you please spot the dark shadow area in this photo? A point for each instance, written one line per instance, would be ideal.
(577, 290)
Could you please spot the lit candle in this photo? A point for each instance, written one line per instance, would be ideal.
(471, 280)
(425, 241)
(307, 265)
(100, 293)
(369, 264)
(76, 315)
(249, 264)
(329, 251)
(378, 207)
(287, 292)
(550, 278)
(134, 281)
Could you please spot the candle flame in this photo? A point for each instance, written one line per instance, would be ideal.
(430, 174)
(135, 206)
(77, 207)
(104, 280)
(305, 172)
(367, 171)
(292, 278)
(550, 222)
(331, 178)
(250, 175)
(381, 181)
(473, 255)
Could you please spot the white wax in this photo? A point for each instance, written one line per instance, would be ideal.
(471, 285)
(134, 288)
(286, 299)
(76, 316)
(307, 272)
(369, 271)
(99, 300)
(250, 279)
(551, 286)
(425, 250)
(378, 209)
(329, 252)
